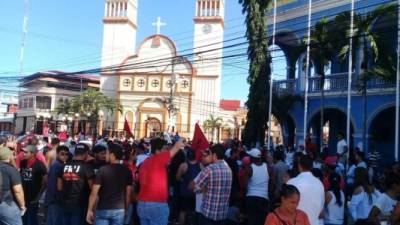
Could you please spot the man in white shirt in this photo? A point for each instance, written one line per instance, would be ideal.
(312, 195)
(341, 147)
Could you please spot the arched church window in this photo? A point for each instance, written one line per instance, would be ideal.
(155, 83)
(140, 83)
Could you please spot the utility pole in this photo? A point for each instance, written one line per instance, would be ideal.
(171, 106)
(21, 58)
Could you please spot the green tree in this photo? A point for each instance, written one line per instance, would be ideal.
(321, 53)
(368, 42)
(88, 105)
(259, 70)
(212, 123)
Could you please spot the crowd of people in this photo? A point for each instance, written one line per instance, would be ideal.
(156, 182)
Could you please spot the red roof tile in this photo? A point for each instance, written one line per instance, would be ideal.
(229, 105)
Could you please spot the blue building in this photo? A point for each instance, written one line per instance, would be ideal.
(289, 78)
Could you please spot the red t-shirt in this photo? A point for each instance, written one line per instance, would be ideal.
(153, 178)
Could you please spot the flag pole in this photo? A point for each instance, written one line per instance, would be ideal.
(396, 145)
(350, 74)
(307, 71)
(271, 80)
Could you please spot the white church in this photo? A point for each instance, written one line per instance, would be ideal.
(159, 89)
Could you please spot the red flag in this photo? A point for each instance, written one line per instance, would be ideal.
(127, 129)
(199, 142)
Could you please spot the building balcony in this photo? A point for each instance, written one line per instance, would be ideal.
(334, 83)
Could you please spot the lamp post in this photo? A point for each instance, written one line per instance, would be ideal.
(69, 125)
(36, 124)
(100, 129)
(78, 124)
(88, 120)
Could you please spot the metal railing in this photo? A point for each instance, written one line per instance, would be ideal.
(283, 87)
(333, 83)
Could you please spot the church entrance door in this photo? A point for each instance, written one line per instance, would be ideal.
(153, 127)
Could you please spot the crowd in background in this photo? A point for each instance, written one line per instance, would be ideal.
(154, 182)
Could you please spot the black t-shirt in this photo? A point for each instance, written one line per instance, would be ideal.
(75, 175)
(11, 177)
(96, 165)
(113, 180)
(32, 179)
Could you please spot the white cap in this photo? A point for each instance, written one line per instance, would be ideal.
(254, 152)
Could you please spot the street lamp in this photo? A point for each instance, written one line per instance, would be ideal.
(69, 123)
(100, 119)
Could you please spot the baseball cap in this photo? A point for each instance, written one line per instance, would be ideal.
(99, 148)
(81, 149)
(5, 153)
(254, 152)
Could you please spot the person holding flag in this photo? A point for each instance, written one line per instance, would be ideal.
(199, 142)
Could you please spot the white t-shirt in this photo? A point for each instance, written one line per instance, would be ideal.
(312, 195)
(341, 146)
(385, 204)
(334, 214)
(361, 204)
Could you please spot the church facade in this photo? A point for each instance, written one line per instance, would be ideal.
(159, 89)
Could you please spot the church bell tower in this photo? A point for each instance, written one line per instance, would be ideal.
(119, 39)
(208, 49)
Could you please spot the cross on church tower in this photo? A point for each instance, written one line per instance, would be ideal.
(158, 24)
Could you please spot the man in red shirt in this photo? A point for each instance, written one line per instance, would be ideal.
(153, 182)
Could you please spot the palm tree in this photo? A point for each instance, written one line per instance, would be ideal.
(321, 52)
(259, 70)
(88, 104)
(367, 43)
(212, 123)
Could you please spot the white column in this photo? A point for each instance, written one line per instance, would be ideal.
(214, 8)
(125, 9)
(111, 10)
(208, 7)
(197, 9)
(218, 8)
(106, 10)
(201, 8)
(119, 9)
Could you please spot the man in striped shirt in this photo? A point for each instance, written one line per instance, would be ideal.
(215, 182)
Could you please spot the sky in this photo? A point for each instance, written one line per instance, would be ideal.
(67, 35)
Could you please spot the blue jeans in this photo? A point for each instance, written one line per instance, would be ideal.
(110, 217)
(73, 215)
(10, 214)
(31, 214)
(153, 213)
(54, 214)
